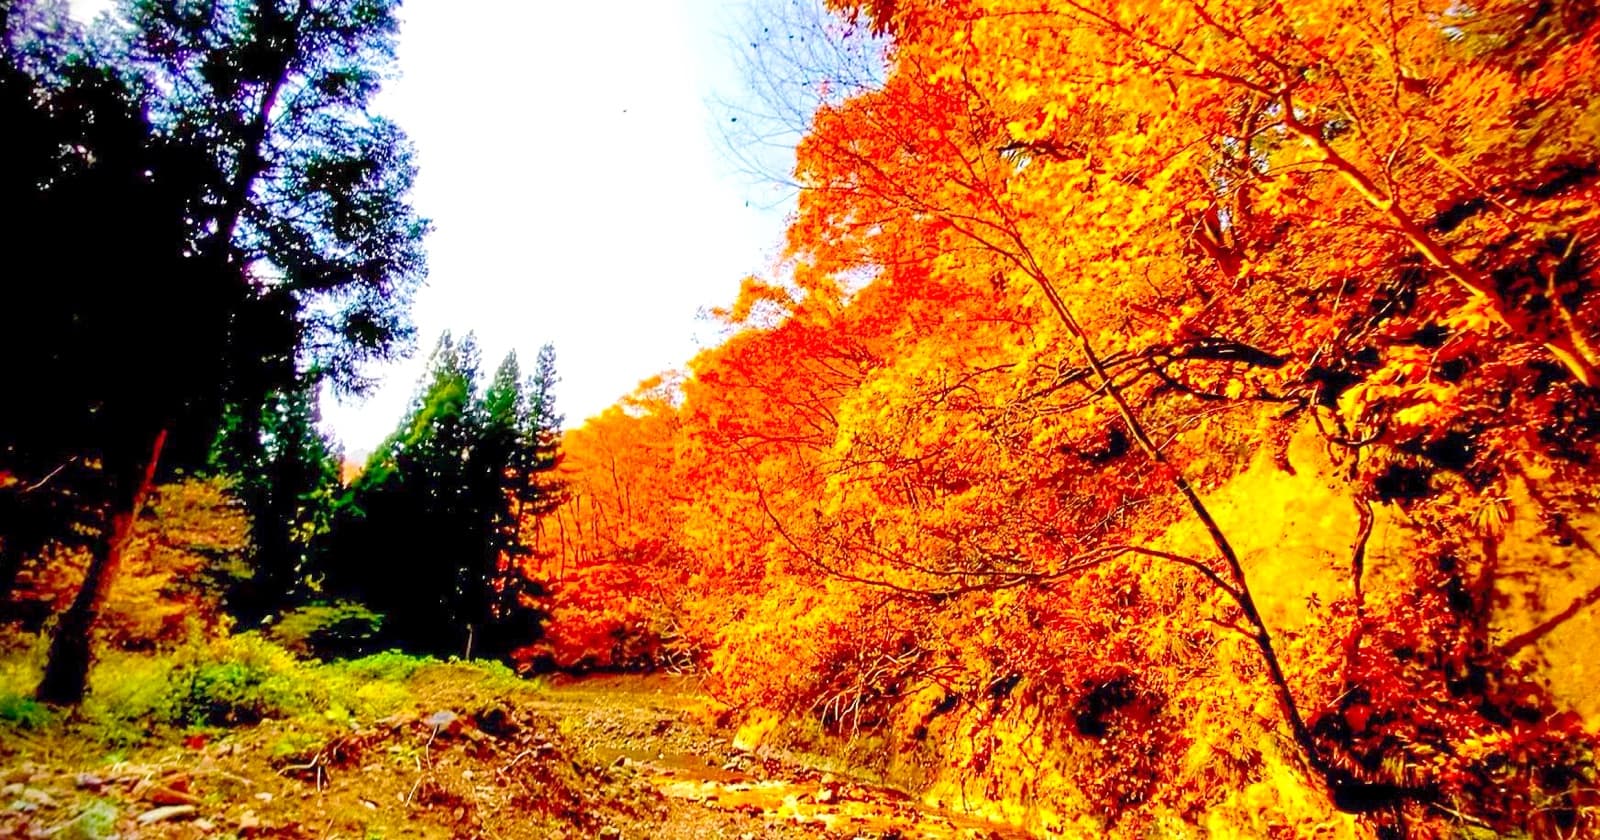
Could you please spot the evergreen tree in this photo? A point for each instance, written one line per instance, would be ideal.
(309, 186)
(486, 588)
(288, 476)
(542, 431)
(434, 540)
(412, 524)
(516, 452)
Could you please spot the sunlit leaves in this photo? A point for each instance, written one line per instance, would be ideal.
(1334, 236)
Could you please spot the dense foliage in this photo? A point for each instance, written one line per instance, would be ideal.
(226, 154)
(1177, 400)
(431, 539)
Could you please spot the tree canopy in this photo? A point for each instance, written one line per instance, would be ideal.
(251, 231)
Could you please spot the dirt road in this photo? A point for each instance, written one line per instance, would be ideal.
(655, 730)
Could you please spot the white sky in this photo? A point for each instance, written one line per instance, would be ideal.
(568, 160)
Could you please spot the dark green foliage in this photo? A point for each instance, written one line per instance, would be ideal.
(433, 541)
(23, 712)
(225, 693)
(309, 187)
(93, 192)
(327, 630)
(287, 475)
(541, 425)
(97, 291)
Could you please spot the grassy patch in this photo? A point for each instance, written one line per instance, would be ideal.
(21, 712)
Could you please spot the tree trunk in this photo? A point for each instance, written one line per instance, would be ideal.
(10, 567)
(66, 672)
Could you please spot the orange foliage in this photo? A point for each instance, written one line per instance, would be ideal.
(607, 556)
(1076, 272)
(191, 542)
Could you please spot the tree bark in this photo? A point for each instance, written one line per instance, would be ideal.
(10, 567)
(66, 672)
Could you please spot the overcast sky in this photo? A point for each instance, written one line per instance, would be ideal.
(569, 162)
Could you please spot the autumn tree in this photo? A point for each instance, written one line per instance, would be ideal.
(1166, 198)
(1066, 287)
(610, 558)
(187, 552)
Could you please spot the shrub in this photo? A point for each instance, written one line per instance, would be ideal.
(391, 665)
(22, 712)
(339, 629)
(234, 679)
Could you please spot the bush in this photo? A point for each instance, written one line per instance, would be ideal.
(242, 679)
(22, 712)
(391, 665)
(235, 679)
(226, 693)
(339, 629)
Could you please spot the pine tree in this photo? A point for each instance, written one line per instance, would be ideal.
(487, 587)
(516, 452)
(434, 540)
(539, 493)
(411, 525)
(287, 475)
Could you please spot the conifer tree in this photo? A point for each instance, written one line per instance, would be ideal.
(434, 537)
(287, 475)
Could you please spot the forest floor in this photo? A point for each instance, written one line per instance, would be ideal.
(605, 757)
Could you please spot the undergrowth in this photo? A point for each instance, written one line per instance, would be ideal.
(208, 684)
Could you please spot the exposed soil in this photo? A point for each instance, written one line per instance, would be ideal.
(660, 731)
(612, 758)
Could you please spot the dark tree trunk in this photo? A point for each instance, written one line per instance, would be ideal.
(10, 567)
(66, 670)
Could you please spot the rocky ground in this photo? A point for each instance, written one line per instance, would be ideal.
(609, 758)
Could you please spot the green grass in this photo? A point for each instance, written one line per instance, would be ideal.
(20, 712)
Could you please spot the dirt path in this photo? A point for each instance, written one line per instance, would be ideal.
(611, 758)
(654, 730)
